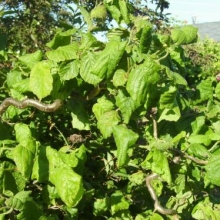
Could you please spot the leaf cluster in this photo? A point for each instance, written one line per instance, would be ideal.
(133, 105)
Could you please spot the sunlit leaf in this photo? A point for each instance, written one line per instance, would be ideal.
(41, 79)
(124, 139)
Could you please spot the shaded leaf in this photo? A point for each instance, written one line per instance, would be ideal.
(140, 78)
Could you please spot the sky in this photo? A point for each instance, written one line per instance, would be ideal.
(202, 10)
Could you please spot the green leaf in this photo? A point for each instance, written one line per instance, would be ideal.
(86, 17)
(169, 105)
(80, 118)
(61, 39)
(23, 155)
(108, 59)
(140, 78)
(126, 105)
(13, 77)
(198, 124)
(68, 183)
(199, 151)
(69, 71)
(99, 12)
(113, 9)
(41, 79)
(22, 86)
(217, 91)
(118, 202)
(212, 170)
(30, 60)
(145, 39)
(124, 139)
(199, 139)
(176, 77)
(40, 170)
(124, 11)
(190, 33)
(157, 161)
(107, 121)
(204, 91)
(22, 133)
(205, 210)
(63, 53)
(103, 105)
(87, 62)
(119, 78)
(17, 202)
(178, 36)
(101, 206)
(88, 40)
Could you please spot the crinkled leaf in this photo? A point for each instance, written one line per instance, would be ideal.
(63, 53)
(212, 170)
(103, 105)
(87, 41)
(107, 121)
(113, 9)
(190, 33)
(140, 77)
(119, 78)
(124, 139)
(68, 183)
(108, 59)
(126, 105)
(69, 71)
(87, 62)
(169, 105)
(41, 80)
(22, 86)
(178, 36)
(17, 202)
(124, 11)
(217, 90)
(31, 59)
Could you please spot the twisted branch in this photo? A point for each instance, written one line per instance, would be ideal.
(30, 102)
(153, 195)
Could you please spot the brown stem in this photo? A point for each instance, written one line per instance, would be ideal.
(30, 102)
(153, 195)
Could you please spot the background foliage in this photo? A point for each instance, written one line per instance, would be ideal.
(144, 101)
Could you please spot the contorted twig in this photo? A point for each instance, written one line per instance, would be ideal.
(30, 102)
(194, 159)
(152, 192)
